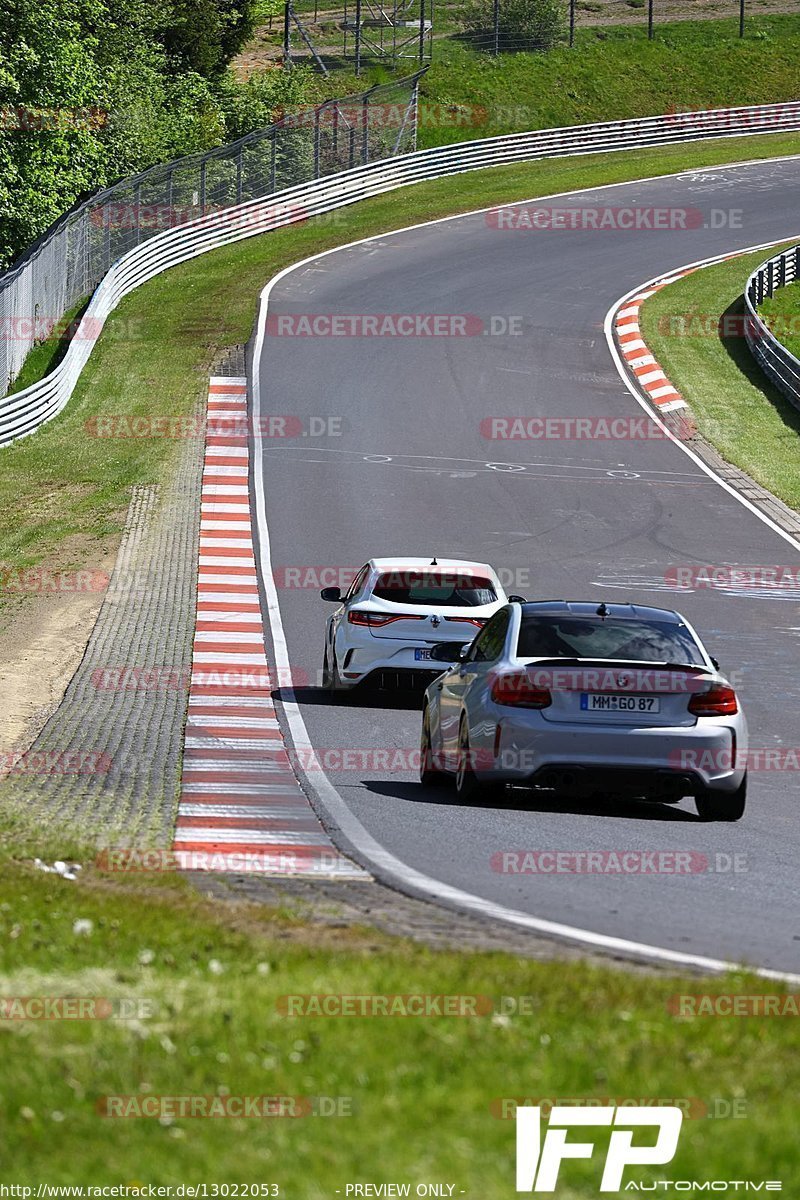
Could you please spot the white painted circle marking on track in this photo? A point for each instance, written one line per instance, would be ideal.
(352, 829)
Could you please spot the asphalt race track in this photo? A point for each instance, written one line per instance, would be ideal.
(403, 468)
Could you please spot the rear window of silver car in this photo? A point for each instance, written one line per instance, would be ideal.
(571, 636)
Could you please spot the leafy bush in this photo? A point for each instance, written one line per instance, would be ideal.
(523, 24)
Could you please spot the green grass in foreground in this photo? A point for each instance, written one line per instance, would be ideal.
(735, 406)
(783, 311)
(420, 1089)
(61, 487)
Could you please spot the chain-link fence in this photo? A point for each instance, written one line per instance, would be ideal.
(69, 261)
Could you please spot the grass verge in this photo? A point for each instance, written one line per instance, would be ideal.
(736, 408)
(417, 1097)
(612, 73)
(783, 311)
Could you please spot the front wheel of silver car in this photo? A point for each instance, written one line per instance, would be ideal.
(723, 806)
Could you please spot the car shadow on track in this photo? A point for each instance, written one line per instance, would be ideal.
(521, 800)
(409, 701)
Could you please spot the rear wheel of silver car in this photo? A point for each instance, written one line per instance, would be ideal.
(723, 806)
(468, 786)
(429, 774)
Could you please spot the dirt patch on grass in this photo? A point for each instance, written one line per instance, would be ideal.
(41, 645)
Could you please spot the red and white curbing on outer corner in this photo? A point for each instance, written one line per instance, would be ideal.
(241, 807)
(635, 353)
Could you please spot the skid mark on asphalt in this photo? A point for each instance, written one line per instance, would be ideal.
(439, 464)
(241, 807)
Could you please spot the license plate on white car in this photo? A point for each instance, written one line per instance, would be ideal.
(422, 655)
(594, 702)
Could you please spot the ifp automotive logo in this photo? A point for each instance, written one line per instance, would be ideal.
(539, 1160)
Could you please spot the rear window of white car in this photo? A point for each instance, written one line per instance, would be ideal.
(448, 589)
(571, 636)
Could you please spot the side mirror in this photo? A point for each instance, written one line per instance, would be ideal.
(517, 600)
(331, 593)
(448, 652)
(715, 661)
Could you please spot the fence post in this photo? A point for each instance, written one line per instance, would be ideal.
(365, 129)
(650, 19)
(572, 22)
(137, 209)
(421, 31)
(316, 140)
(239, 158)
(496, 24)
(741, 18)
(358, 37)
(287, 53)
(203, 188)
(273, 157)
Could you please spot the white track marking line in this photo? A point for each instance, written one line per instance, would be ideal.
(365, 845)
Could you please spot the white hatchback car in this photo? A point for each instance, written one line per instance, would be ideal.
(582, 699)
(396, 610)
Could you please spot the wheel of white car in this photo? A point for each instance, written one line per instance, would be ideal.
(723, 806)
(429, 774)
(327, 676)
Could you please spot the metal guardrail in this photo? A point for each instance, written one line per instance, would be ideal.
(24, 412)
(777, 363)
